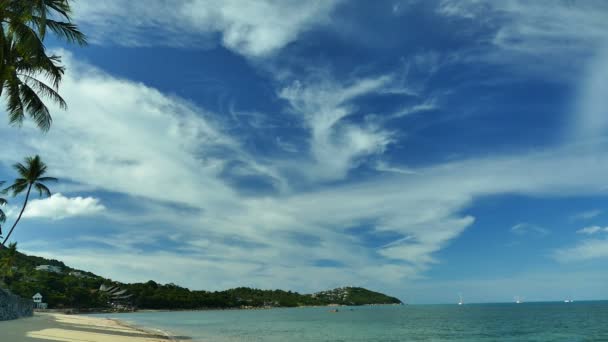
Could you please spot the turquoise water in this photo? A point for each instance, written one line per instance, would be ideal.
(579, 321)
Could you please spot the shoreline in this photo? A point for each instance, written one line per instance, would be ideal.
(253, 308)
(61, 327)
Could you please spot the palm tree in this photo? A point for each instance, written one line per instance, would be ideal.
(2, 214)
(23, 87)
(23, 57)
(30, 175)
(7, 262)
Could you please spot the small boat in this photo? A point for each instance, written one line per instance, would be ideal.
(518, 300)
(334, 310)
(460, 301)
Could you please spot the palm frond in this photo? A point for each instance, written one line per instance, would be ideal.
(61, 7)
(42, 65)
(14, 105)
(42, 190)
(44, 90)
(48, 179)
(18, 187)
(36, 109)
(37, 167)
(68, 31)
(41, 22)
(2, 44)
(21, 169)
(26, 39)
(25, 24)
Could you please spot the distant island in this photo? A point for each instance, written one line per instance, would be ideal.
(65, 287)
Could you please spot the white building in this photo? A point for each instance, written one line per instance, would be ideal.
(49, 268)
(38, 304)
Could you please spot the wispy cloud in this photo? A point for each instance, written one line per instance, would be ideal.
(584, 250)
(520, 32)
(336, 145)
(586, 215)
(529, 228)
(592, 230)
(426, 106)
(384, 167)
(186, 172)
(253, 29)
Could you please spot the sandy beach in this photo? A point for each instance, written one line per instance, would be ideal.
(71, 328)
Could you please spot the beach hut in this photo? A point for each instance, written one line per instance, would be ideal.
(38, 304)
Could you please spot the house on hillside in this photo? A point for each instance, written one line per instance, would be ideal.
(78, 274)
(49, 268)
(38, 304)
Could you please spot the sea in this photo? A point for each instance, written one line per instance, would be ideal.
(577, 321)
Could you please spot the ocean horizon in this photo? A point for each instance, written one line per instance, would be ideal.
(530, 321)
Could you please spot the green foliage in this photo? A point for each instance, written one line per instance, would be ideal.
(7, 262)
(64, 290)
(31, 174)
(58, 290)
(3, 202)
(24, 60)
(355, 296)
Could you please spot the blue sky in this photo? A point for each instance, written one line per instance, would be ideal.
(421, 148)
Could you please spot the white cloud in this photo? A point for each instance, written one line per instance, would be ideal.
(592, 230)
(59, 207)
(585, 250)
(427, 105)
(168, 157)
(528, 228)
(335, 144)
(586, 215)
(384, 167)
(529, 34)
(131, 139)
(252, 28)
(590, 121)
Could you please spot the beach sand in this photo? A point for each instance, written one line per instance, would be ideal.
(70, 328)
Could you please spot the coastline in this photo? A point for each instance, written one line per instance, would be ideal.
(60, 327)
(243, 308)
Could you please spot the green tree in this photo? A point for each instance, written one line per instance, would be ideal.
(8, 260)
(2, 214)
(24, 59)
(30, 175)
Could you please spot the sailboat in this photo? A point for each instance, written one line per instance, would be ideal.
(460, 301)
(518, 300)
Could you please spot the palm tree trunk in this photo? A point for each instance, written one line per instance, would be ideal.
(27, 196)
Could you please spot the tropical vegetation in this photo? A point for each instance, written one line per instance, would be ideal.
(24, 61)
(73, 288)
(31, 175)
(28, 73)
(7, 262)
(2, 214)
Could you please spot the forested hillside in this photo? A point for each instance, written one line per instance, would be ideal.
(80, 289)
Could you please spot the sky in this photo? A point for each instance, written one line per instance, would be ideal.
(418, 148)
